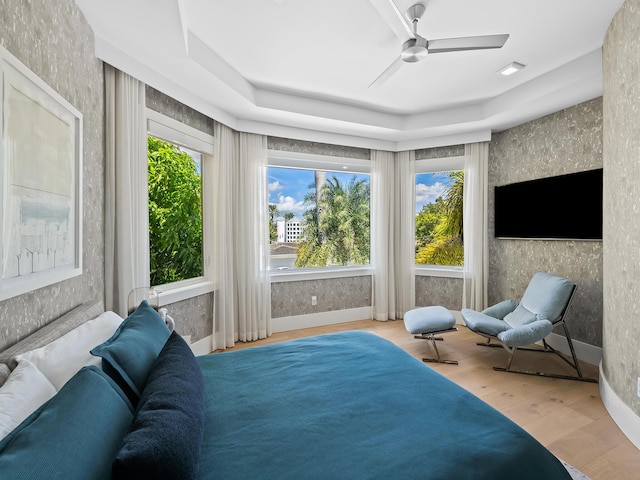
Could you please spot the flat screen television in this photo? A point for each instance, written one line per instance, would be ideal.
(564, 207)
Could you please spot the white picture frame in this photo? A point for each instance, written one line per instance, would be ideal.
(40, 182)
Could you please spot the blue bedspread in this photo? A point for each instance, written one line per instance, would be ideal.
(354, 406)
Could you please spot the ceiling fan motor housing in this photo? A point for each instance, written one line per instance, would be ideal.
(414, 49)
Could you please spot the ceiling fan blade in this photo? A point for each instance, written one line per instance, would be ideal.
(388, 73)
(466, 43)
(389, 12)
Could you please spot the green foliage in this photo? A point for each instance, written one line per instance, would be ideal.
(442, 251)
(288, 216)
(175, 214)
(427, 220)
(439, 227)
(336, 231)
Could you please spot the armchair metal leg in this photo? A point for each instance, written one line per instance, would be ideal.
(544, 374)
(488, 344)
(549, 349)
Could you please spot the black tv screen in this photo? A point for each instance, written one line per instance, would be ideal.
(565, 207)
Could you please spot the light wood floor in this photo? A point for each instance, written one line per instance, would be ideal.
(564, 415)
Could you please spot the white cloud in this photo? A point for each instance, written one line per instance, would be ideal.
(428, 193)
(275, 186)
(289, 204)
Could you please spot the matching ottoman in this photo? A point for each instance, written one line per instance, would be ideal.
(427, 322)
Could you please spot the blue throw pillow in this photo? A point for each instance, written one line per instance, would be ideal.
(166, 434)
(129, 354)
(75, 435)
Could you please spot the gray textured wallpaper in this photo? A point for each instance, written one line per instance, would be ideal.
(564, 142)
(53, 40)
(301, 146)
(161, 103)
(439, 291)
(440, 152)
(294, 298)
(621, 66)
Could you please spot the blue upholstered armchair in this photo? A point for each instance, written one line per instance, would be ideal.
(544, 305)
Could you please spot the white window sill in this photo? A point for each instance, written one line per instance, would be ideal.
(184, 290)
(439, 271)
(296, 275)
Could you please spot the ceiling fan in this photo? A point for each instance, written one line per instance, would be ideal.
(416, 47)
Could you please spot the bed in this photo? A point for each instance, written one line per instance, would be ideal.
(345, 405)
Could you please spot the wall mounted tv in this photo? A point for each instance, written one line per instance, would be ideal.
(565, 207)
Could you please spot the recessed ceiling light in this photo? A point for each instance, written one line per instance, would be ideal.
(510, 69)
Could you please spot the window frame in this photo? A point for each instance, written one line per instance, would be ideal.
(313, 161)
(178, 133)
(438, 165)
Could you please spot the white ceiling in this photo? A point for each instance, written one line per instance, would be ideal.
(301, 68)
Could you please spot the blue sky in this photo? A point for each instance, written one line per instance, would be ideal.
(430, 186)
(287, 187)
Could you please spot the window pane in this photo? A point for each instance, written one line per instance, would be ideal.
(175, 212)
(439, 227)
(306, 233)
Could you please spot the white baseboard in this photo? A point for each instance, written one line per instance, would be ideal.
(202, 346)
(620, 412)
(585, 352)
(285, 324)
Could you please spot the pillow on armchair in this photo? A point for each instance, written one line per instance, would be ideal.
(520, 316)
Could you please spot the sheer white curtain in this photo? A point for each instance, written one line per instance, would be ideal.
(383, 213)
(242, 301)
(126, 217)
(476, 250)
(404, 231)
(392, 225)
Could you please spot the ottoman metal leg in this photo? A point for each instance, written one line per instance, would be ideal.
(427, 322)
(433, 338)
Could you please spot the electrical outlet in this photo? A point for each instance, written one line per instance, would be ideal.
(314, 301)
(638, 390)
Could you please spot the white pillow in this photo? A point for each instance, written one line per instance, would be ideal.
(21, 395)
(4, 373)
(61, 359)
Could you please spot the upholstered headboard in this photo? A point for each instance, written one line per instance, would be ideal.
(50, 332)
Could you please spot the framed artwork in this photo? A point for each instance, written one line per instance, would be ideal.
(40, 182)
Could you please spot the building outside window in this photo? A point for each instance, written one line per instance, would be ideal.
(289, 230)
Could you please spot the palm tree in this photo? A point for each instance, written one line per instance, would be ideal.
(447, 245)
(339, 235)
(320, 182)
(273, 228)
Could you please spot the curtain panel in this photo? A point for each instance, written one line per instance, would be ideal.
(242, 299)
(475, 205)
(392, 233)
(126, 199)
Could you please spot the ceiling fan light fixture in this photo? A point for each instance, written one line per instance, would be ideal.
(510, 69)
